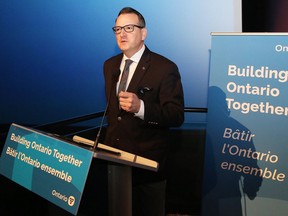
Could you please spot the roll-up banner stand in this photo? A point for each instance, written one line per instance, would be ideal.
(247, 139)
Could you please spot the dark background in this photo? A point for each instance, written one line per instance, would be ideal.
(264, 15)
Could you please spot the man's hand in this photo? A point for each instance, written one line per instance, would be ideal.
(129, 102)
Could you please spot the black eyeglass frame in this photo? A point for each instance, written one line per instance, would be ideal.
(125, 28)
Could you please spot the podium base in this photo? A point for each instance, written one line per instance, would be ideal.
(120, 190)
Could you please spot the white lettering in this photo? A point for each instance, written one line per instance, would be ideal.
(281, 48)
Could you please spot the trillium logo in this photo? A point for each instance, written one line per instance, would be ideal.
(71, 200)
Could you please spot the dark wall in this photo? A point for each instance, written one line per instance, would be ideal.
(264, 15)
(254, 15)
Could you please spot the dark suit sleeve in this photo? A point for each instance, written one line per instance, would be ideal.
(168, 109)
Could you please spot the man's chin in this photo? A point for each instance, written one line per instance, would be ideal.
(123, 48)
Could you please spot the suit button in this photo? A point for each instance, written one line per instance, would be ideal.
(119, 118)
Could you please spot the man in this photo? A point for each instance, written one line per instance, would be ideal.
(139, 116)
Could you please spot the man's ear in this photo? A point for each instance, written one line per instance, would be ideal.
(144, 33)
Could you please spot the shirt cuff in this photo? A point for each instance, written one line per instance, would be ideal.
(140, 113)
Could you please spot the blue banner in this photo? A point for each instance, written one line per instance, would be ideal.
(246, 143)
(46, 165)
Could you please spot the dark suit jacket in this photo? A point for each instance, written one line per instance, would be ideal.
(164, 106)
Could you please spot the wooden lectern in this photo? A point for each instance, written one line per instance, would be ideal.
(119, 175)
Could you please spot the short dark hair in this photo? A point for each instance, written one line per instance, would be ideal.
(129, 10)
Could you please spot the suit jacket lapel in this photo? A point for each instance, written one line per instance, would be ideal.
(141, 69)
(112, 87)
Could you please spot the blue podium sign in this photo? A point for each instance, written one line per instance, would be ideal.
(246, 144)
(50, 167)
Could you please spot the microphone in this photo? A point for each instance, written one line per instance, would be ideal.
(115, 77)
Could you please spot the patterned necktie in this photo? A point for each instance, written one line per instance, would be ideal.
(123, 82)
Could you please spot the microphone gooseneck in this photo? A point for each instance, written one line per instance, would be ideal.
(115, 76)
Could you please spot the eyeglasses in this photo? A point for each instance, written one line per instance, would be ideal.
(127, 28)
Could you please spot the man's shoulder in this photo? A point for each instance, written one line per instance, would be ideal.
(115, 58)
(154, 56)
(161, 59)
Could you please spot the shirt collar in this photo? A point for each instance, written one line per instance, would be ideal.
(137, 56)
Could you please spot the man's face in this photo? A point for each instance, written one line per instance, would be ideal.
(130, 42)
